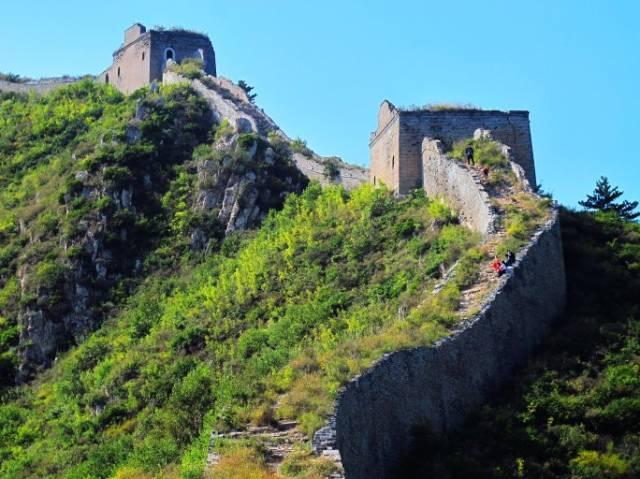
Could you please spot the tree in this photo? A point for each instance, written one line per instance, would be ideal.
(248, 89)
(604, 197)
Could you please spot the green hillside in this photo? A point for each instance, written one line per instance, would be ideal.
(575, 411)
(134, 322)
(294, 310)
(266, 325)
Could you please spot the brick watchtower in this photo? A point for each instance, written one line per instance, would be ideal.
(395, 146)
(144, 54)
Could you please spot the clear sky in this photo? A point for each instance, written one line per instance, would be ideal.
(322, 68)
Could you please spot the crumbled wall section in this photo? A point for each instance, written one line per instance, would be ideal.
(445, 178)
(437, 387)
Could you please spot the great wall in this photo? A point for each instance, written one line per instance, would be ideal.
(434, 388)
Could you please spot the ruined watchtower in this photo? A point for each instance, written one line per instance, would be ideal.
(143, 55)
(396, 145)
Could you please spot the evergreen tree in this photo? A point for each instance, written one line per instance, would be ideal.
(248, 89)
(604, 197)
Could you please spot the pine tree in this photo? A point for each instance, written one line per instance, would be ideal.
(604, 197)
(248, 89)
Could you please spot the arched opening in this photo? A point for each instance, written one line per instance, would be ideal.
(118, 72)
(169, 54)
(106, 78)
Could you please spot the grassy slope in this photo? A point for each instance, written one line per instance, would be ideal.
(575, 411)
(44, 216)
(293, 311)
(268, 327)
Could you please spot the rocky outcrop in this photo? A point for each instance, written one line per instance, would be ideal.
(101, 239)
(229, 101)
(433, 389)
(239, 181)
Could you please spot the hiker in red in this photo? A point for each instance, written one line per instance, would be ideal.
(498, 266)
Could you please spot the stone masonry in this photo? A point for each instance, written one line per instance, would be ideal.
(144, 54)
(443, 177)
(412, 391)
(395, 146)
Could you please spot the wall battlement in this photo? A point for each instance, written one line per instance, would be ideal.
(395, 146)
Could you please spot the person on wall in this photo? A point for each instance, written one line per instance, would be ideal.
(498, 266)
(468, 155)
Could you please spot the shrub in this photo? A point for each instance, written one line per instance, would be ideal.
(440, 212)
(330, 168)
(596, 465)
(300, 146)
(240, 463)
(191, 68)
(224, 130)
(302, 463)
(49, 274)
(486, 152)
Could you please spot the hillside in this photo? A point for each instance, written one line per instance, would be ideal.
(100, 190)
(574, 412)
(128, 216)
(178, 299)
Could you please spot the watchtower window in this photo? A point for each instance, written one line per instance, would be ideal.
(169, 54)
(118, 72)
(393, 161)
(142, 56)
(106, 78)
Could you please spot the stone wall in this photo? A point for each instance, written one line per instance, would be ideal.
(143, 56)
(37, 86)
(435, 388)
(241, 114)
(349, 176)
(449, 126)
(185, 45)
(445, 178)
(130, 69)
(396, 144)
(384, 149)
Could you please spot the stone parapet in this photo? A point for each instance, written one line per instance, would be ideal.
(37, 86)
(433, 389)
(445, 178)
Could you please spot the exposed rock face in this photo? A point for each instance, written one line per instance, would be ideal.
(63, 298)
(239, 181)
(64, 314)
(230, 102)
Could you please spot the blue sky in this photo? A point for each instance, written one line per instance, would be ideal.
(321, 69)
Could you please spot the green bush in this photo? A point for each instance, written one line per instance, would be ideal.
(191, 68)
(595, 465)
(300, 146)
(330, 168)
